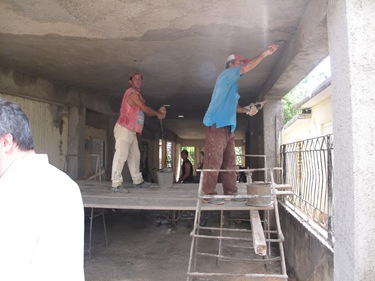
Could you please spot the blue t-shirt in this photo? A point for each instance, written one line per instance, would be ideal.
(224, 100)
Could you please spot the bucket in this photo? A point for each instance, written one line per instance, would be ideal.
(165, 177)
(259, 188)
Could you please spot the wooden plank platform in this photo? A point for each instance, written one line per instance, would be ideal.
(181, 197)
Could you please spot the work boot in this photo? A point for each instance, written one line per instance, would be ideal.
(119, 190)
(236, 197)
(143, 184)
(214, 201)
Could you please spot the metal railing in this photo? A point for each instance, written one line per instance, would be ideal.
(94, 165)
(308, 167)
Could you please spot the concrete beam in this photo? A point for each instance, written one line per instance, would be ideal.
(24, 85)
(308, 47)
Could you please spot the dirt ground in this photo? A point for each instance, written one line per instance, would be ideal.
(144, 246)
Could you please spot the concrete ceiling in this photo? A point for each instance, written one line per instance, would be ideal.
(180, 46)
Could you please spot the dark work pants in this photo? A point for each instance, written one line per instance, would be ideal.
(219, 153)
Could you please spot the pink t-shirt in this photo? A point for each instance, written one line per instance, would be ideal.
(131, 116)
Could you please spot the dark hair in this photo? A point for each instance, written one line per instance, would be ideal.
(228, 62)
(134, 73)
(185, 151)
(15, 122)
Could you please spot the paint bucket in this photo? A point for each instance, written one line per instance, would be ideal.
(259, 188)
(165, 177)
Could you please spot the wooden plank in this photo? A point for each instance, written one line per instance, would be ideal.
(259, 241)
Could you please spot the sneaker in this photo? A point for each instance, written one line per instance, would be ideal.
(214, 201)
(142, 184)
(119, 190)
(236, 198)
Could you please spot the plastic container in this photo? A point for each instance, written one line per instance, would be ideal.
(259, 188)
(165, 177)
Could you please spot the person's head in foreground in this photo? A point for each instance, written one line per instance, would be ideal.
(15, 134)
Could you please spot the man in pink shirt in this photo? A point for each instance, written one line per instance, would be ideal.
(129, 124)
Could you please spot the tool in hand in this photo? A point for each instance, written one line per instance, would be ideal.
(280, 42)
(254, 107)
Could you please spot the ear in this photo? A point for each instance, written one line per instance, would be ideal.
(6, 142)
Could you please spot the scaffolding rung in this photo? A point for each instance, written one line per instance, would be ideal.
(227, 258)
(283, 186)
(237, 275)
(221, 237)
(224, 229)
(284, 193)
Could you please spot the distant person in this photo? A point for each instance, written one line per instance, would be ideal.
(186, 168)
(201, 164)
(198, 173)
(220, 122)
(41, 210)
(128, 125)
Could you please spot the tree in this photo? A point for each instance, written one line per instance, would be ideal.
(288, 103)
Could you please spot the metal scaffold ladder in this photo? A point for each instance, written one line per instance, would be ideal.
(227, 252)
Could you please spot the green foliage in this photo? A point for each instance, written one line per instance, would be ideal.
(289, 101)
(304, 88)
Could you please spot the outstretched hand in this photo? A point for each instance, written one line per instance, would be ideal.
(162, 113)
(271, 49)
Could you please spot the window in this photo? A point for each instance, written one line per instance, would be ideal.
(166, 154)
(169, 155)
(160, 153)
(238, 150)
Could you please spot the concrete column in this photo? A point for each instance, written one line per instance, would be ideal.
(76, 139)
(273, 123)
(351, 31)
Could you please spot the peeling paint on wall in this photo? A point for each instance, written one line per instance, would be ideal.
(23, 80)
(58, 113)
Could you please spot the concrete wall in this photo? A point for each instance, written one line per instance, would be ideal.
(351, 29)
(308, 258)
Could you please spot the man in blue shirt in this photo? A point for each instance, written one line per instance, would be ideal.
(220, 122)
